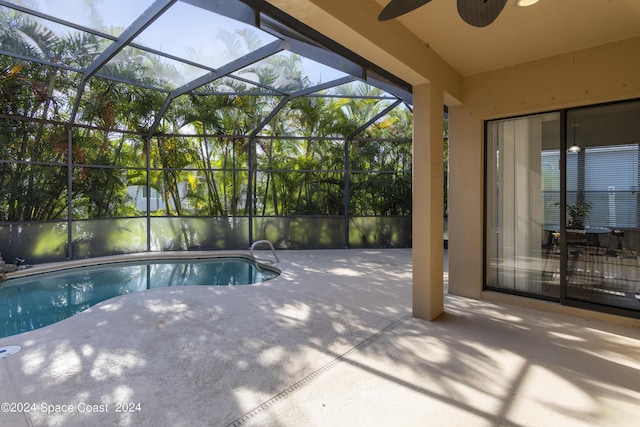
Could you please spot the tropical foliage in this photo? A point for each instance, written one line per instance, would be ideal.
(79, 149)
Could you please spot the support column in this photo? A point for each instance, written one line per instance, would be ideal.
(428, 194)
(466, 196)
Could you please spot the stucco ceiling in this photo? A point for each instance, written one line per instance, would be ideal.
(521, 34)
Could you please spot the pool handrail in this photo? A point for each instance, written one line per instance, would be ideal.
(263, 242)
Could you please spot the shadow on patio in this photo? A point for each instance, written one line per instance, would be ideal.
(330, 342)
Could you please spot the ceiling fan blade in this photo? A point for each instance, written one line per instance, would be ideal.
(480, 13)
(396, 8)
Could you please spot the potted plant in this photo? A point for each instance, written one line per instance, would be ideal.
(576, 213)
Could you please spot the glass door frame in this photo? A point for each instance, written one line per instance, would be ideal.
(564, 298)
(563, 207)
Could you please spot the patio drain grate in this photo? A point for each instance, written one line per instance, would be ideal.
(306, 380)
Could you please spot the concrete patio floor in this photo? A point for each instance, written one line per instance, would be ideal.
(331, 342)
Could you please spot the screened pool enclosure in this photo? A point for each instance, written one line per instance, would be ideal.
(129, 126)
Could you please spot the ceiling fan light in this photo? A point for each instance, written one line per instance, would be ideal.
(525, 3)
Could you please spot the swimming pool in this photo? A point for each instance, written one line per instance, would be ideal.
(39, 300)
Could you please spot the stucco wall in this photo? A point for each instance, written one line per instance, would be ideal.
(605, 73)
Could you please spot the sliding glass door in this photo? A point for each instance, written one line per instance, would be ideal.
(523, 205)
(563, 207)
(602, 205)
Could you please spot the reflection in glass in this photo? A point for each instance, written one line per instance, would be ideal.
(602, 206)
(522, 187)
(602, 189)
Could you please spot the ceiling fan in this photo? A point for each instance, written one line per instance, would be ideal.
(478, 13)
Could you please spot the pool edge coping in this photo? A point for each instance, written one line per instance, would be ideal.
(136, 256)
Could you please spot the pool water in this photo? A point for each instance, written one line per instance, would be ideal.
(39, 300)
